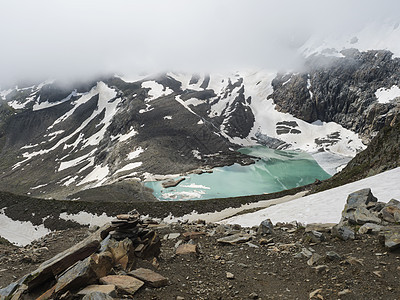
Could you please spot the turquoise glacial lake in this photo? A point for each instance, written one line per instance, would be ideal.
(274, 171)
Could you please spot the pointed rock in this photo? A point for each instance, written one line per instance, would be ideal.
(266, 227)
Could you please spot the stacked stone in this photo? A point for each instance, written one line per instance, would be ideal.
(125, 226)
(145, 241)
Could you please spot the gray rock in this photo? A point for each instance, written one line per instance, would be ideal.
(332, 255)
(320, 268)
(359, 215)
(171, 236)
(315, 258)
(370, 228)
(343, 232)
(306, 253)
(375, 206)
(321, 227)
(235, 239)
(316, 236)
(390, 237)
(266, 227)
(391, 212)
(360, 198)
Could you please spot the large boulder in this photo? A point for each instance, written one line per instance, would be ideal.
(361, 198)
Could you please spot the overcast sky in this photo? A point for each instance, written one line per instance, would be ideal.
(78, 38)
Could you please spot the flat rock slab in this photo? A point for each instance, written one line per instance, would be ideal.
(171, 236)
(97, 296)
(323, 227)
(108, 289)
(193, 235)
(54, 266)
(127, 284)
(235, 239)
(186, 249)
(150, 277)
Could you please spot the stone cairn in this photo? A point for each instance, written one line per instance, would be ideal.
(105, 262)
(145, 241)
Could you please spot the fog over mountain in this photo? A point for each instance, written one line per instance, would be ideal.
(79, 39)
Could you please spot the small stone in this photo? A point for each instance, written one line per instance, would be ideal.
(344, 292)
(193, 235)
(315, 257)
(171, 236)
(314, 294)
(332, 255)
(306, 253)
(186, 249)
(229, 275)
(320, 268)
(263, 241)
(179, 298)
(235, 239)
(315, 236)
(324, 227)
(378, 273)
(253, 296)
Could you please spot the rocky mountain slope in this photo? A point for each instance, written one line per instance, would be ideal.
(58, 140)
(200, 260)
(383, 153)
(344, 90)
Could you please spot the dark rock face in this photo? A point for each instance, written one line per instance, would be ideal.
(383, 153)
(341, 90)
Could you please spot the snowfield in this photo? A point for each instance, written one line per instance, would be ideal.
(326, 206)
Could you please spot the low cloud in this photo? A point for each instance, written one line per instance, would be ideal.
(80, 39)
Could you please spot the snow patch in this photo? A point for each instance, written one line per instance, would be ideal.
(196, 154)
(20, 233)
(85, 218)
(98, 175)
(156, 90)
(135, 154)
(129, 167)
(47, 104)
(386, 95)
